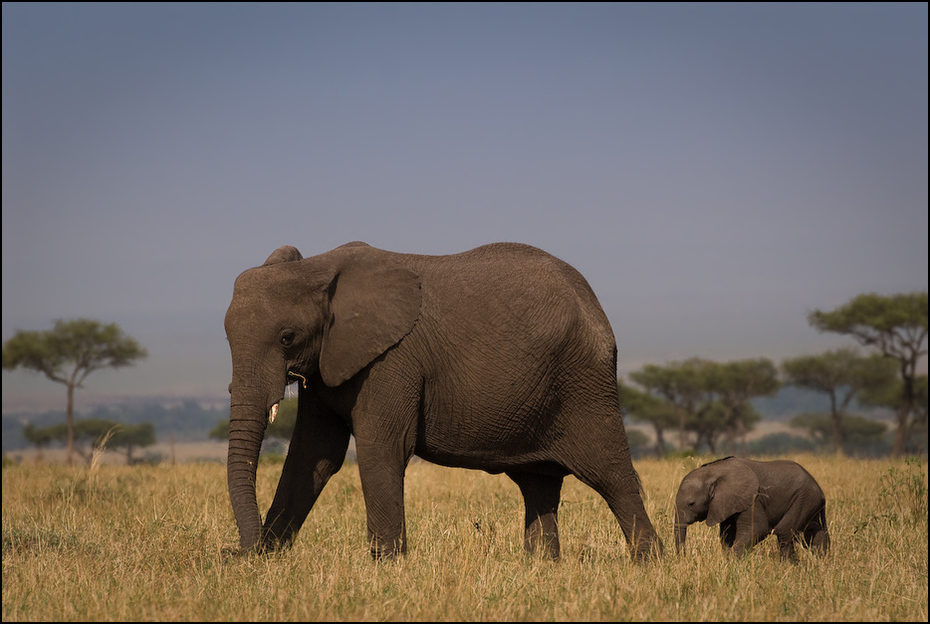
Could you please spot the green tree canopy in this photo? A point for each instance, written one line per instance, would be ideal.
(132, 437)
(68, 353)
(709, 398)
(680, 383)
(94, 432)
(735, 384)
(890, 397)
(856, 431)
(43, 436)
(644, 407)
(896, 325)
(40, 437)
(842, 375)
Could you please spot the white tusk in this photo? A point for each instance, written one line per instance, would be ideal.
(272, 413)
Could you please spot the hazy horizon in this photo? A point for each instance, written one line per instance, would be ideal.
(715, 171)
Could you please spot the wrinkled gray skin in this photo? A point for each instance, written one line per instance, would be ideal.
(751, 499)
(498, 359)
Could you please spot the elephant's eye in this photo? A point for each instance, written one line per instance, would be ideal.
(287, 338)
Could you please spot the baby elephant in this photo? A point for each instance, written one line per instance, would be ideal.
(750, 499)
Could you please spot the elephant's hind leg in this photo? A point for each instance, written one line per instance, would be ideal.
(622, 493)
(541, 494)
(593, 446)
(818, 540)
(816, 536)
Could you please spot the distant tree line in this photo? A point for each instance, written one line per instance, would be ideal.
(186, 419)
(93, 434)
(701, 402)
(694, 405)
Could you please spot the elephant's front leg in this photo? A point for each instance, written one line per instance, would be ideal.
(317, 451)
(728, 532)
(785, 543)
(541, 494)
(382, 474)
(751, 527)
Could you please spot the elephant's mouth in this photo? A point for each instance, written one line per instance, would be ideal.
(291, 377)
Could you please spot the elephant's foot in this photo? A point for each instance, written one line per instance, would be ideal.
(646, 549)
(820, 543)
(387, 550)
(543, 543)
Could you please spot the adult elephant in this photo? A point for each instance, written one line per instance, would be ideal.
(499, 359)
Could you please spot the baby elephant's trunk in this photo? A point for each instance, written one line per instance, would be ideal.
(681, 533)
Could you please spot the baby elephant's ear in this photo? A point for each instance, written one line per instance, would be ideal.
(734, 491)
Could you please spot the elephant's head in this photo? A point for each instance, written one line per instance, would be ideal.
(713, 492)
(317, 320)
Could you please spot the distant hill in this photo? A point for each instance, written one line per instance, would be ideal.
(789, 402)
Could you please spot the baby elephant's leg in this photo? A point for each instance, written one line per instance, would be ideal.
(816, 536)
(752, 526)
(728, 532)
(786, 537)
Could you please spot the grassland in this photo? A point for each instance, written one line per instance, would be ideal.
(156, 543)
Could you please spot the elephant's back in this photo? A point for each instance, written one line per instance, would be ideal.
(506, 308)
(502, 281)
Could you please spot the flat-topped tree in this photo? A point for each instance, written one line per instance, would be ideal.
(896, 325)
(69, 352)
(842, 375)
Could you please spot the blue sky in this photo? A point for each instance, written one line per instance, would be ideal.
(715, 170)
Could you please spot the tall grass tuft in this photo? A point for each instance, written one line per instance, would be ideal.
(158, 543)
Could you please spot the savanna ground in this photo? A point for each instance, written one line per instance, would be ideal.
(111, 542)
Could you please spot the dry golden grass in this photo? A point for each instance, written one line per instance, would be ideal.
(155, 543)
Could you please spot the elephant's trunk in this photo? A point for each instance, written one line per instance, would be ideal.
(681, 533)
(246, 432)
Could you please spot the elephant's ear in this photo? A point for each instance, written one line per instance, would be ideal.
(374, 302)
(287, 253)
(733, 491)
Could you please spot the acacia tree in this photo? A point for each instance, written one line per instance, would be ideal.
(890, 397)
(95, 433)
(91, 434)
(679, 383)
(735, 384)
(132, 437)
(841, 375)
(645, 407)
(68, 353)
(897, 326)
(711, 398)
(857, 432)
(40, 437)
